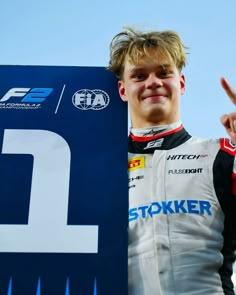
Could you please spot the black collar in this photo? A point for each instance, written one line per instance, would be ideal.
(165, 141)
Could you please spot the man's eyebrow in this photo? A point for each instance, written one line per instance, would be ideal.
(165, 66)
(159, 67)
(137, 69)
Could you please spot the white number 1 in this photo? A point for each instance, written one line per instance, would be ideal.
(47, 230)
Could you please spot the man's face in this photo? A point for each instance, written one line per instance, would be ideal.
(152, 88)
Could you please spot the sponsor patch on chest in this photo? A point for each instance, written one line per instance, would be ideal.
(136, 163)
(201, 207)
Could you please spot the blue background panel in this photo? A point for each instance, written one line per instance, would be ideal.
(83, 157)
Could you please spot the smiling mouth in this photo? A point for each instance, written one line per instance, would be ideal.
(155, 97)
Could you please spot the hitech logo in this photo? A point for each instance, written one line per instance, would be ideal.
(186, 157)
(85, 99)
(31, 98)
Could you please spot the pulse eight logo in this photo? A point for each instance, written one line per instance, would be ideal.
(31, 98)
(85, 99)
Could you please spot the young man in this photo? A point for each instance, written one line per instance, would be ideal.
(182, 200)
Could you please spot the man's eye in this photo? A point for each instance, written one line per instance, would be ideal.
(139, 77)
(165, 73)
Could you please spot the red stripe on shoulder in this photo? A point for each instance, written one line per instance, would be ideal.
(228, 146)
(147, 138)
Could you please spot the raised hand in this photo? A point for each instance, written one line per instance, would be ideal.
(229, 120)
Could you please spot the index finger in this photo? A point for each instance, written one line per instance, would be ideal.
(229, 90)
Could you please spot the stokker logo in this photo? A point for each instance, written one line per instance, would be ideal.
(85, 99)
(199, 207)
(136, 163)
(186, 157)
(30, 98)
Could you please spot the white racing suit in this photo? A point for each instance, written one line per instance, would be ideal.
(182, 213)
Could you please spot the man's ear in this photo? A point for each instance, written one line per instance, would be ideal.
(122, 91)
(182, 83)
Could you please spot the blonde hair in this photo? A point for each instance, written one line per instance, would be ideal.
(134, 45)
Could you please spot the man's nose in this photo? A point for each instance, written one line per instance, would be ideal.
(153, 81)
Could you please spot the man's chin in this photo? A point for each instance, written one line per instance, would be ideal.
(157, 117)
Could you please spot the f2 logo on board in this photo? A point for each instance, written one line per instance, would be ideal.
(32, 95)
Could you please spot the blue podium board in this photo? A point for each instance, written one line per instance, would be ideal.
(63, 182)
